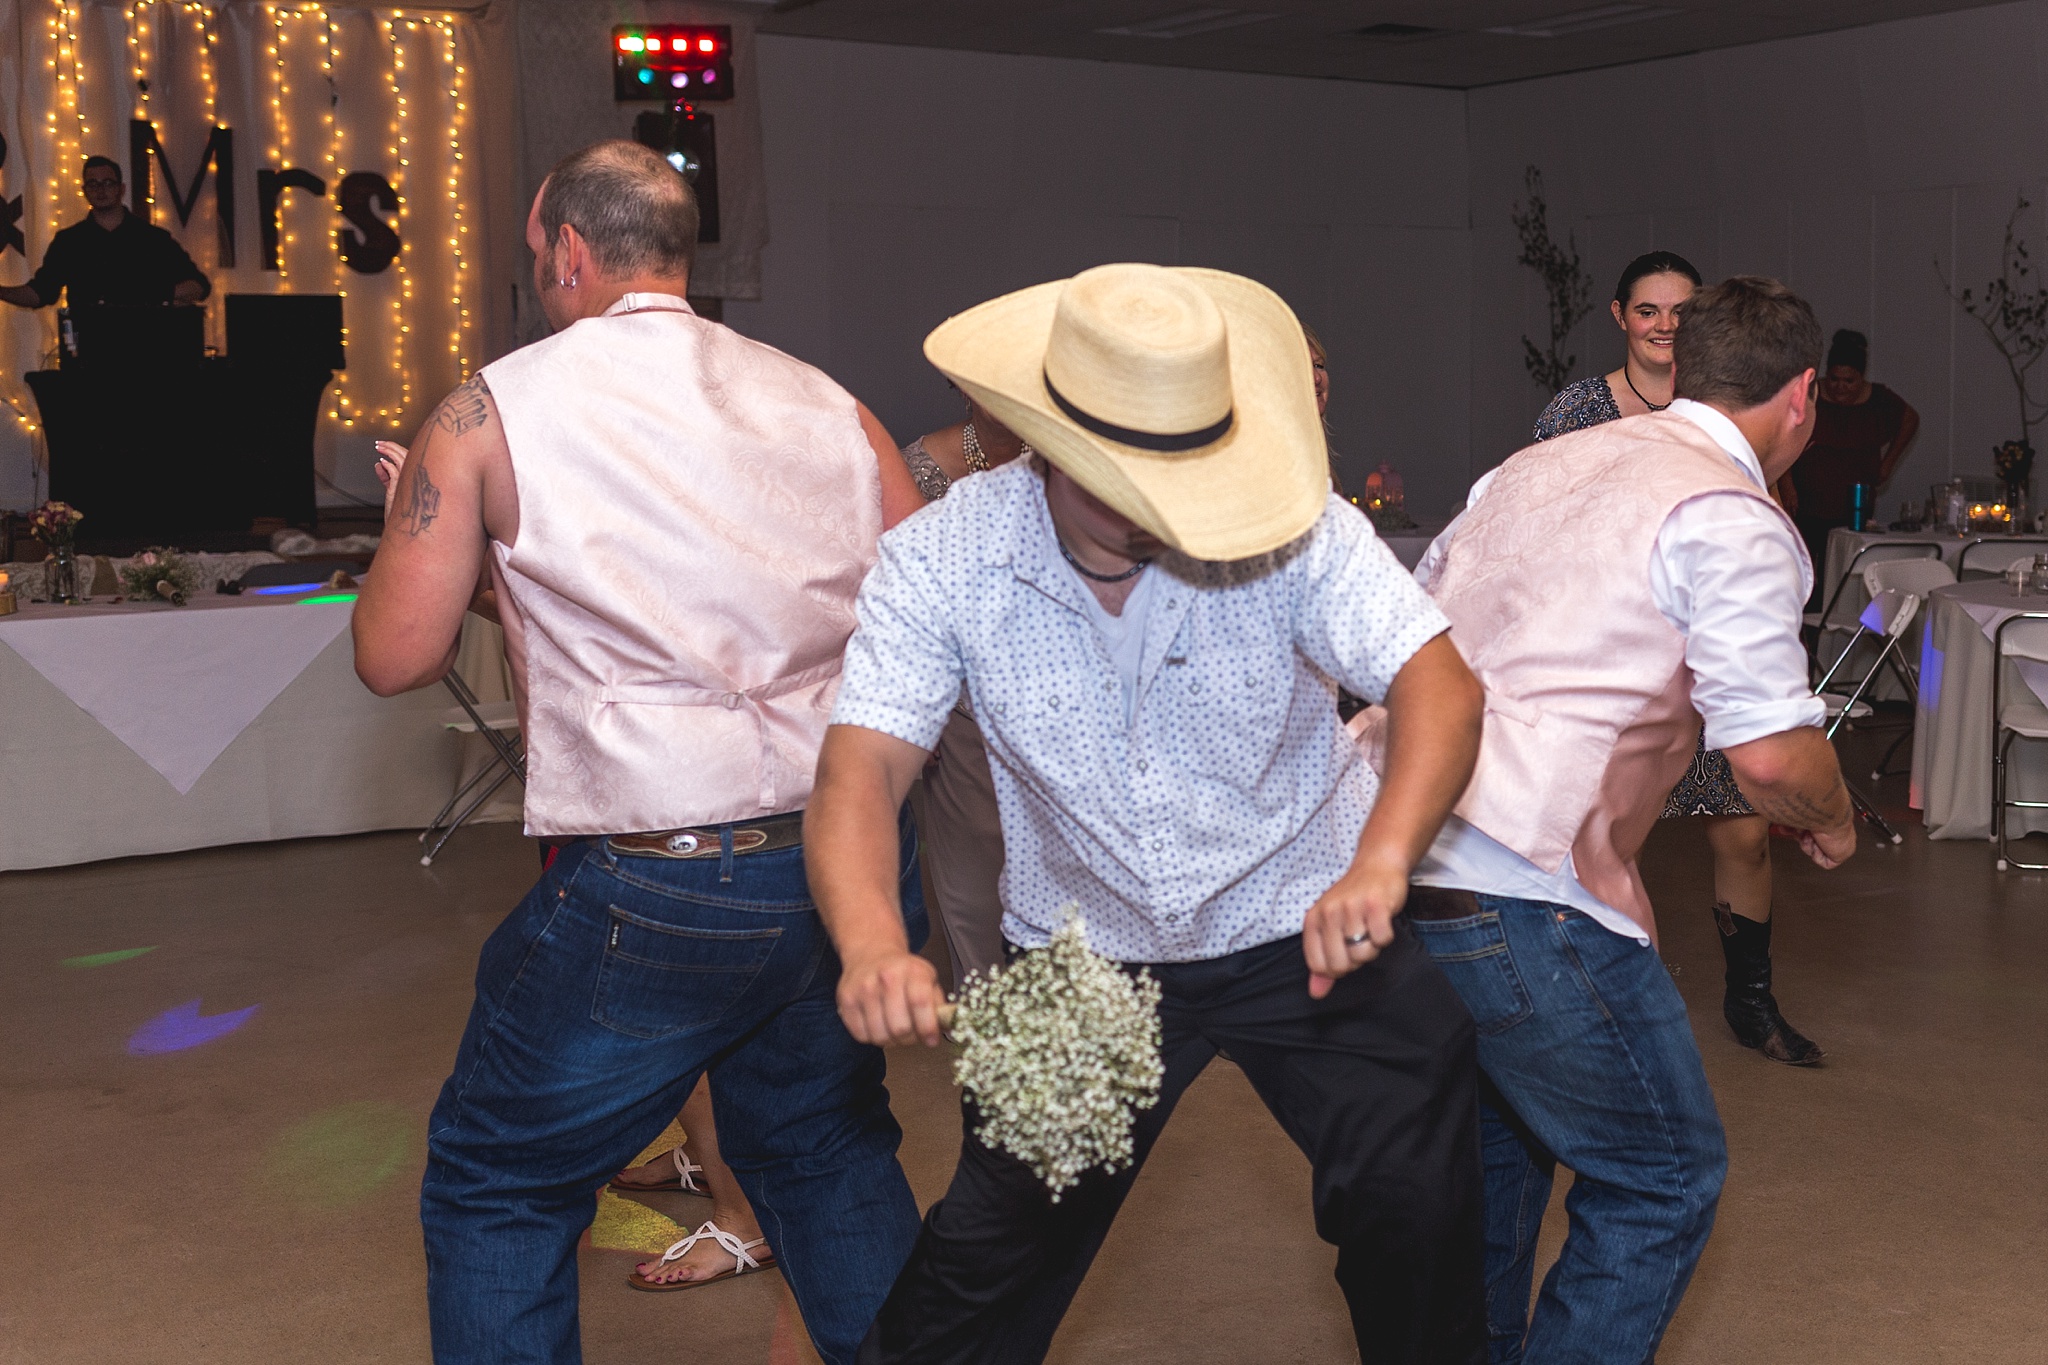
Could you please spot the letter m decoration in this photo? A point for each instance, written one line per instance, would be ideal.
(219, 157)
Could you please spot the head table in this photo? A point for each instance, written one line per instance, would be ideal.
(145, 728)
(1952, 731)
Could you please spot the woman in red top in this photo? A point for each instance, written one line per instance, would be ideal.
(1862, 432)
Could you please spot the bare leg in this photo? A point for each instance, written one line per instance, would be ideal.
(1742, 863)
(729, 1208)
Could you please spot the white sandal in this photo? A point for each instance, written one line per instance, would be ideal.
(741, 1253)
(686, 1171)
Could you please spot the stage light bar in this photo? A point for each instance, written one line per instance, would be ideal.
(285, 589)
(657, 61)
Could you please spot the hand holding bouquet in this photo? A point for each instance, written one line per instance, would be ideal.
(1059, 1048)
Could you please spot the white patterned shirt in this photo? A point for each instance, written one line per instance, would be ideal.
(1212, 819)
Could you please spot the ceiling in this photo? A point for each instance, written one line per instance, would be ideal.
(1452, 43)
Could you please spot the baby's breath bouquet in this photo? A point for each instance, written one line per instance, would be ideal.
(1058, 1049)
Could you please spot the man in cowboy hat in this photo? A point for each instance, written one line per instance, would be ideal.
(1153, 619)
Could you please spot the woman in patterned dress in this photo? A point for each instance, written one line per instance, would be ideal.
(960, 834)
(1647, 304)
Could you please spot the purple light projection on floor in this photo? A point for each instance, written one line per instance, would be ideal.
(177, 1029)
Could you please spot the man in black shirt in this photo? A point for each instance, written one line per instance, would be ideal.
(110, 256)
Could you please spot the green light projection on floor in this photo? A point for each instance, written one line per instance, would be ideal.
(341, 1156)
(109, 959)
(328, 597)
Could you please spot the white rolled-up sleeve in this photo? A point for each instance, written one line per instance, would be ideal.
(903, 668)
(1731, 575)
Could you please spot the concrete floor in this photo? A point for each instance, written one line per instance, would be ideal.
(251, 1200)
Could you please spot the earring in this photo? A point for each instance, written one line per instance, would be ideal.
(569, 283)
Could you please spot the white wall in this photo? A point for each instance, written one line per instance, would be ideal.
(905, 184)
(1846, 164)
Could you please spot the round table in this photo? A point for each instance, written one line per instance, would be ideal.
(1952, 728)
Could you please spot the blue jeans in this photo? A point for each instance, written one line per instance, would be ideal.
(1591, 1062)
(617, 982)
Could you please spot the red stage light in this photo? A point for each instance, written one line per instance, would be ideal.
(625, 45)
(654, 44)
(707, 45)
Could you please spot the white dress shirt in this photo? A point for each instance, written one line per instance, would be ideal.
(1731, 577)
(1208, 816)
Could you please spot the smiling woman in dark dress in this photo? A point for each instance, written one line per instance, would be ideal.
(1648, 304)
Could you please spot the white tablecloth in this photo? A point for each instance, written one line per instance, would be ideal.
(1952, 731)
(149, 728)
(1410, 546)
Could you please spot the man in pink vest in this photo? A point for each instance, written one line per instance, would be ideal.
(1611, 587)
(676, 520)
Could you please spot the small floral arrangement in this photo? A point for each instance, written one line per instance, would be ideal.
(55, 523)
(157, 574)
(2015, 462)
(1058, 1049)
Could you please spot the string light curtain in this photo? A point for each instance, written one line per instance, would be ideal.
(330, 90)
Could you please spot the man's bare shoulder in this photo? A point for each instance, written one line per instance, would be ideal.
(468, 407)
(461, 442)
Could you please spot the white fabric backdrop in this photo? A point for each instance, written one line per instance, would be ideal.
(327, 90)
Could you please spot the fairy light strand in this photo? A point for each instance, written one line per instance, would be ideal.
(430, 41)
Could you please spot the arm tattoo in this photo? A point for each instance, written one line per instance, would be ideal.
(1801, 811)
(422, 499)
(465, 409)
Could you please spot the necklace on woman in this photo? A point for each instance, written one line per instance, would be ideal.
(971, 451)
(1085, 572)
(1628, 379)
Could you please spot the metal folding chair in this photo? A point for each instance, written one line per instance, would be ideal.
(498, 723)
(1990, 556)
(1897, 591)
(1829, 620)
(1889, 585)
(2016, 713)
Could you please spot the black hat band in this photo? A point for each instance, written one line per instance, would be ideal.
(1143, 440)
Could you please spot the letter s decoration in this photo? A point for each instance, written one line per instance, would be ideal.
(369, 244)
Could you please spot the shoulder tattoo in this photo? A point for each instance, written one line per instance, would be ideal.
(465, 409)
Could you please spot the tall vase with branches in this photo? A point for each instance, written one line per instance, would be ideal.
(1565, 280)
(2013, 311)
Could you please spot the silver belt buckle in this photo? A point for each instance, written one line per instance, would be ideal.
(682, 844)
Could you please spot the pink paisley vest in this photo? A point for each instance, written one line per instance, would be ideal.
(1589, 719)
(696, 513)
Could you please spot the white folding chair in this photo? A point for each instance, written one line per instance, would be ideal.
(498, 723)
(1990, 556)
(1898, 588)
(2016, 714)
(1840, 617)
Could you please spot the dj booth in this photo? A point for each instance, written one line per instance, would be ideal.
(160, 443)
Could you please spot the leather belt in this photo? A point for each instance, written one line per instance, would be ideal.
(1440, 902)
(701, 841)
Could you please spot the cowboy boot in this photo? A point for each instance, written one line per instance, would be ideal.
(1749, 1007)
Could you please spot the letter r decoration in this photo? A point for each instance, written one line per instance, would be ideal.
(270, 188)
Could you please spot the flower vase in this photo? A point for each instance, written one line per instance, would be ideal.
(60, 575)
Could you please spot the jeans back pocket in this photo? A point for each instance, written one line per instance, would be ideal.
(1473, 953)
(660, 980)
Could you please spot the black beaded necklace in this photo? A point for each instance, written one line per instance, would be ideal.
(1085, 572)
(1630, 380)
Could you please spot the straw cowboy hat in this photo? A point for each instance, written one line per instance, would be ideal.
(1182, 398)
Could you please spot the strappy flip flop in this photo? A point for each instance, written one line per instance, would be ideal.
(740, 1252)
(686, 1183)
